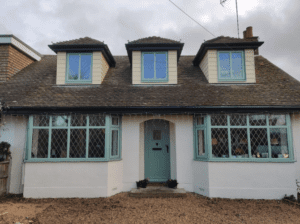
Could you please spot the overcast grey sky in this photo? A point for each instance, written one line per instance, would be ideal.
(40, 22)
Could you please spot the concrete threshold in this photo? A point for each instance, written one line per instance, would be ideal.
(157, 192)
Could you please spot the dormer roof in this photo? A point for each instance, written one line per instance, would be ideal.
(226, 43)
(85, 44)
(153, 44)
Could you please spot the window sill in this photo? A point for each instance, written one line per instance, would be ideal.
(68, 160)
(246, 160)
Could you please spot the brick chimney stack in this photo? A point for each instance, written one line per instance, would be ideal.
(248, 35)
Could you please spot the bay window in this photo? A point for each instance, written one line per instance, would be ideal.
(74, 138)
(245, 137)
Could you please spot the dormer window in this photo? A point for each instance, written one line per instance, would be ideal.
(231, 66)
(154, 66)
(79, 68)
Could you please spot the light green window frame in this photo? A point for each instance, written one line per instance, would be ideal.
(200, 136)
(229, 129)
(67, 80)
(89, 125)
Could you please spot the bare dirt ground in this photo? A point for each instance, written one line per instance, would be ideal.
(123, 209)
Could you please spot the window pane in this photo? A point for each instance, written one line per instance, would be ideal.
(219, 120)
(41, 120)
(237, 66)
(219, 141)
(201, 148)
(59, 139)
(86, 64)
(77, 143)
(78, 120)
(161, 66)
(97, 143)
(148, 66)
(277, 120)
(114, 143)
(115, 121)
(279, 143)
(40, 139)
(156, 134)
(97, 120)
(259, 142)
(60, 121)
(238, 120)
(257, 120)
(239, 143)
(224, 62)
(200, 120)
(73, 73)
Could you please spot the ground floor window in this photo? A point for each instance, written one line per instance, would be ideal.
(243, 137)
(74, 137)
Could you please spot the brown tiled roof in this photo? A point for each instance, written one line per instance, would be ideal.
(222, 39)
(154, 40)
(35, 86)
(80, 41)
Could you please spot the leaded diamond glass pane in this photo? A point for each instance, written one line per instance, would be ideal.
(78, 120)
(219, 120)
(77, 143)
(41, 120)
(219, 141)
(238, 120)
(259, 142)
(279, 143)
(115, 121)
(97, 120)
(60, 121)
(277, 120)
(40, 139)
(200, 120)
(96, 143)
(239, 143)
(224, 63)
(59, 139)
(114, 143)
(237, 65)
(201, 148)
(86, 65)
(257, 120)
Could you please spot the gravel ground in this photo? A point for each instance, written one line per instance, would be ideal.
(123, 209)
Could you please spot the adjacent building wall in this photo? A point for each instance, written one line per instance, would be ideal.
(137, 68)
(209, 66)
(14, 131)
(295, 121)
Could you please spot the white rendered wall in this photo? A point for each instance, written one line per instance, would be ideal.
(115, 177)
(295, 120)
(201, 177)
(251, 180)
(181, 129)
(67, 180)
(14, 131)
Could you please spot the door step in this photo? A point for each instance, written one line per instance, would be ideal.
(157, 192)
(156, 184)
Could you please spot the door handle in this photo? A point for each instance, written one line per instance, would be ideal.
(167, 148)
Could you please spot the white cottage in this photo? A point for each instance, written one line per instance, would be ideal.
(84, 123)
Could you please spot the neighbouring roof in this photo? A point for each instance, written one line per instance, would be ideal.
(34, 87)
(154, 40)
(225, 43)
(80, 41)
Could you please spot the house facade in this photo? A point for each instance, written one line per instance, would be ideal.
(84, 123)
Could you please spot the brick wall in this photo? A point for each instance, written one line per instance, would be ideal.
(12, 61)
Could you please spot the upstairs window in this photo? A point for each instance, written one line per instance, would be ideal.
(79, 68)
(154, 67)
(231, 66)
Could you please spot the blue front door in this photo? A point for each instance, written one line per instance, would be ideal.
(157, 150)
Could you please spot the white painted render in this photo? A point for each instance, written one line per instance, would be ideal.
(209, 66)
(13, 131)
(102, 179)
(137, 68)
